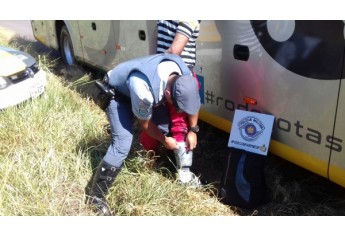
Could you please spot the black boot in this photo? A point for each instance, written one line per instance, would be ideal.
(102, 181)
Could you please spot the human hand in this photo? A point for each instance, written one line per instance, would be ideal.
(191, 140)
(170, 143)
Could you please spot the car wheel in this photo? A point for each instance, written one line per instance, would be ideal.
(66, 47)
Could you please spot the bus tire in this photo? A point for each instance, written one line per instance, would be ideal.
(66, 47)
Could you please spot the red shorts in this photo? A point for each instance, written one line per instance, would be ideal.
(178, 130)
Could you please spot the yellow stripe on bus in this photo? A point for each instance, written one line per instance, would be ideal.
(337, 175)
(290, 154)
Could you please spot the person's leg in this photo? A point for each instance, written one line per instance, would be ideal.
(121, 120)
(183, 156)
(184, 160)
(120, 116)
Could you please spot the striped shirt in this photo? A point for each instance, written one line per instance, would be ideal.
(167, 30)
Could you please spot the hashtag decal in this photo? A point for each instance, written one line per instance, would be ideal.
(209, 97)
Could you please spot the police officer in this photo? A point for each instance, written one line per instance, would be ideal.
(142, 86)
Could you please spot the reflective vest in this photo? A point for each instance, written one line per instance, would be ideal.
(148, 66)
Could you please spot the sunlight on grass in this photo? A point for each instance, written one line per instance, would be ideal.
(50, 147)
(44, 159)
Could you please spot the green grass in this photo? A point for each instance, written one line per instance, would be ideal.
(51, 145)
(44, 160)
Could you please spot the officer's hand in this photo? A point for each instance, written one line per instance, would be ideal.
(191, 140)
(170, 143)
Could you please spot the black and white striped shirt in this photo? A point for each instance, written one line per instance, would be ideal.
(167, 30)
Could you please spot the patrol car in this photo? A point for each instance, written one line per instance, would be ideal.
(20, 77)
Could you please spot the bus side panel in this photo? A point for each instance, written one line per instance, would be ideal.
(237, 60)
(139, 38)
(337, 164)
(48, 33)
(134, 38)
(44, 32)
(107, 43)
(98, 43)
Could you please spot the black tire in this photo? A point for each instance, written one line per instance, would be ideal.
(66, 47)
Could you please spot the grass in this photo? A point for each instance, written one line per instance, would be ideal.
(43, 161)
(51, 146)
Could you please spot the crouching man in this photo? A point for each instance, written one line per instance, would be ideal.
(142, 88)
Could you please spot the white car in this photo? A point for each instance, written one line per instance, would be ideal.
(20, 77)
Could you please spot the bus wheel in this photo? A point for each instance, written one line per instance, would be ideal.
(66, 47)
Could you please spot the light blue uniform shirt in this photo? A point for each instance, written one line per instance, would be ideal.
(141, 96)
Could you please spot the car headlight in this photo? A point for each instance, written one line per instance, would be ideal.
(3, 82)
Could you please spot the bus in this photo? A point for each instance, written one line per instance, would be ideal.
(292, 69)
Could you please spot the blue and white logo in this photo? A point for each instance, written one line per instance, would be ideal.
(250, 128)
(251, 131)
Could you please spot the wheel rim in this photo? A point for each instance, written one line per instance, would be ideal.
(67, 51)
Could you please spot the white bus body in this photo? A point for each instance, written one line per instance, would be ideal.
(291, 69)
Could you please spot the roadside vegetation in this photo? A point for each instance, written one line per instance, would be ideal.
(50, 147)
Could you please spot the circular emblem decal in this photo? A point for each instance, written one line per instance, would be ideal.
(250, 128)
